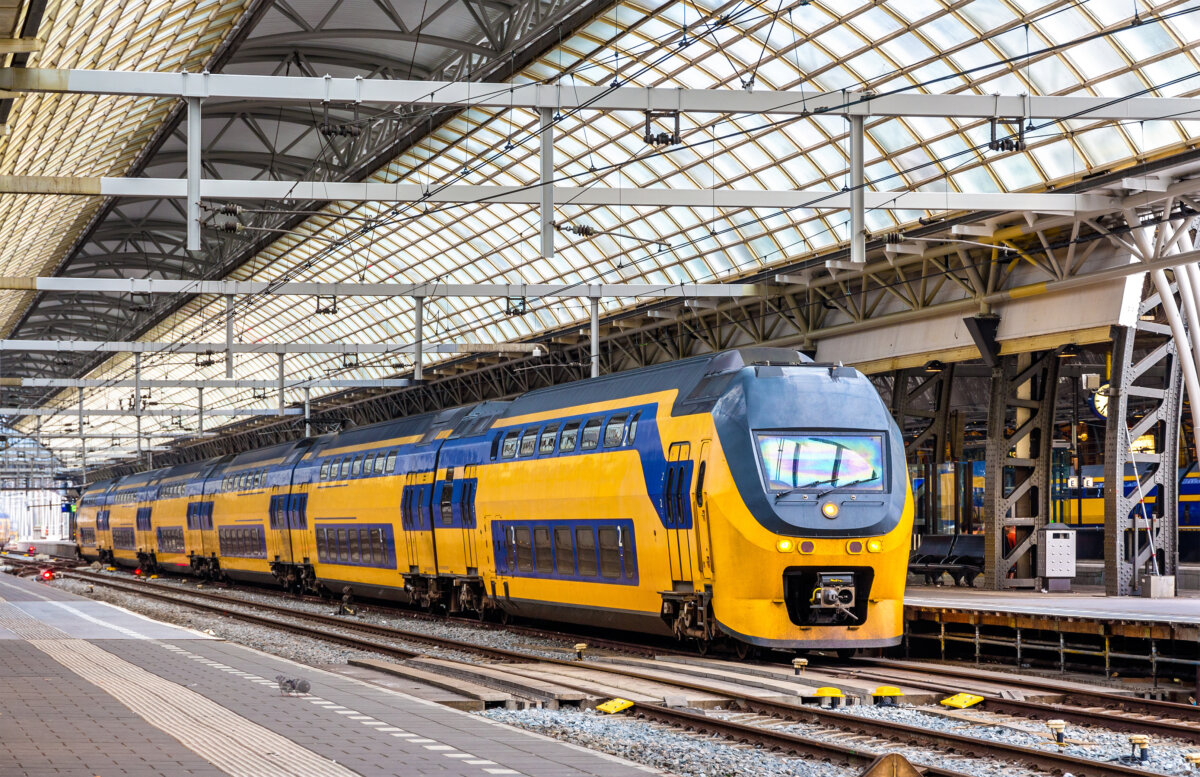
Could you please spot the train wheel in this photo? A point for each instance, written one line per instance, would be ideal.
(505, 618)
(703, 646)
(742, 650)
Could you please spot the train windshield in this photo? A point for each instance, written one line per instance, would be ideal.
(795, 460)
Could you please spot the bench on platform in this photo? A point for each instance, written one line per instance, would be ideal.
(957, 555)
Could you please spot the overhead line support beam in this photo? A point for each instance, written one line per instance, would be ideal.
(414, 94)
(546, 193)
(99, 346)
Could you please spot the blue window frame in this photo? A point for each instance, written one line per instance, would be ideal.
(143, 519)
(601, 551)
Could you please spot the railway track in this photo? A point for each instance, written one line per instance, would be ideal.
(880, 734)
(1091, 708)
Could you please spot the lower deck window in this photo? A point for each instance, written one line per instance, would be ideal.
(242, 541)
(123, 538)
(170, 540)
(367, 546)
(588, 551)
(87, 536)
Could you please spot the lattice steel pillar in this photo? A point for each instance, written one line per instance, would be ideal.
(908, 386)
(1138, 533)
(1017, 490)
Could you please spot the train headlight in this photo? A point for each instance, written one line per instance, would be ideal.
(784, 546)
(874, 546)
(829, 510)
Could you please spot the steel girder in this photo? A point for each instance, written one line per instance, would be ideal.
(1145, 396)
(1018, 467)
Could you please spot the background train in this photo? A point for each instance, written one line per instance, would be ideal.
(750, 496)
(1078, 502)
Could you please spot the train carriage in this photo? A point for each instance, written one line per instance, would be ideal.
(750, 496)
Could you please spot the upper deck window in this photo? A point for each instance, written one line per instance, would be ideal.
(529, 442)
(508, 449)
(570, 436)
(799, 460)
(546, 445)
(614, 433)
(591, 435)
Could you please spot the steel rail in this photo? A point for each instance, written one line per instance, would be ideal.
(1173, 709)
(770, 738)
(1110, 719)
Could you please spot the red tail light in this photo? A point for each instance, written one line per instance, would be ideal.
(137, 572)
(47, 574)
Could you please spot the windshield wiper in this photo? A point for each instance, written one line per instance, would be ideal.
(804, 487)
(859, 482)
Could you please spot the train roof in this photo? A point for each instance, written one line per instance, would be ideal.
(683, 376)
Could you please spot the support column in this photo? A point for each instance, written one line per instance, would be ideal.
(194, 142)
(546, 157)
(921, 404)
(858, 185)
(82, 445)
(280, 382)
(595, 337)
(307, 412)
(137, 401)
(1140, 536)
(1018, 467)
(229, 336)
(419, 340)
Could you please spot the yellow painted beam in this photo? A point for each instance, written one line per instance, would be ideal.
(20, 45)
(48, 184)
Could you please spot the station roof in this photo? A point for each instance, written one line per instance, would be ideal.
(1094, 47)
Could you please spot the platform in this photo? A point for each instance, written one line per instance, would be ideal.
(1084, 604)
(1123, 634)
(90, 689)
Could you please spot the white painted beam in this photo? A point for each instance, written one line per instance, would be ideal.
(311, 289)
(94, 346)
(821, 199)
(237, 383)
(149, 411)
(601, 98)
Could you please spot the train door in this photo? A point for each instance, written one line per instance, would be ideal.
(278, 519)
(677, 508)
(702, 533)
(466, 510)
(416, 506)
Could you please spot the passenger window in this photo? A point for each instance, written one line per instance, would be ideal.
(610, 552)
(509, 449)
(356, 466)
(447, 504)
(547, 443)
(591, 435)
(614, 433)
(369, 464)
(321, 544)
(377, 550)
(564, 551)
(570, 436)
(632, 434)
(345, 472)
(541, 550)
(343, 545)
(325, 470)
(390, 467)
(529, 442)
(524, 549)
(354, 556)
(585, 550)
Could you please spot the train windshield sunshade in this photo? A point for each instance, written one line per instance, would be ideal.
(804, 460)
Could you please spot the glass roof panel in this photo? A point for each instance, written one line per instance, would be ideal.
(922, 45)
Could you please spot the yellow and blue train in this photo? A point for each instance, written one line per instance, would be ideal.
(750, 496)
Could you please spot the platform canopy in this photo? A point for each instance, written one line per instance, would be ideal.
(1099, 48)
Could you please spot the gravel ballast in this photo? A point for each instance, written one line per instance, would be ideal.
(662, 748)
